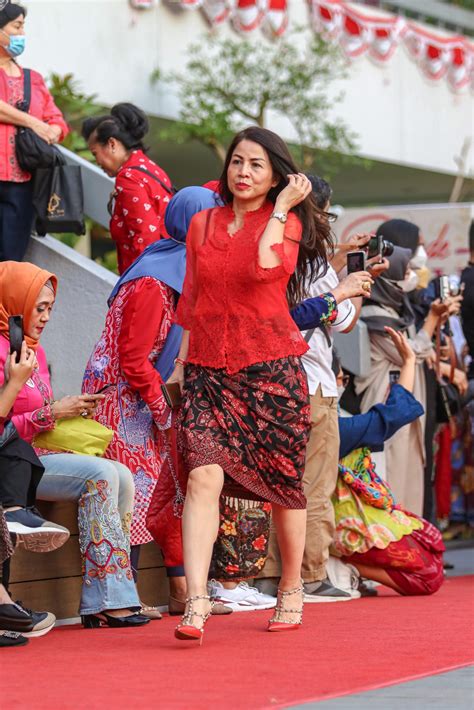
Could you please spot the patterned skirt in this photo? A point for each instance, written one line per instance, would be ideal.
(254, 424)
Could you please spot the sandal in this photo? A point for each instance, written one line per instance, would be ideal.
(186, 630)
(277, 622)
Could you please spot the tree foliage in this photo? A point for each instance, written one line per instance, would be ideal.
(75, 105)
(231, 83)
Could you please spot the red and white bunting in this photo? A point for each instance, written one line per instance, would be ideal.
(143, 4)
(358, 31)
(379, 36)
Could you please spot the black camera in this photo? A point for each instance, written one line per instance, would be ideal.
(378, 246)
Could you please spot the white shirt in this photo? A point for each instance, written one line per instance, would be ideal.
(318, 360)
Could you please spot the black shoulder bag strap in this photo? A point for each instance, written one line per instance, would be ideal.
(170, 190)
(25, 104)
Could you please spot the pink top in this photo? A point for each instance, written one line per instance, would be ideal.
(42, 106)
(31, 413)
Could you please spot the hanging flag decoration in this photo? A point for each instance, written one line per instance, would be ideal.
(143, 4)
(359, 31)
(378, 36)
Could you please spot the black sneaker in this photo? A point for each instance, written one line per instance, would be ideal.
(42, 621)
(9, 639)
(34, 532)
(14, 618)
(323, 592)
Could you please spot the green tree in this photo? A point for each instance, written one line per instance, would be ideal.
(75, 105)
(231, 83)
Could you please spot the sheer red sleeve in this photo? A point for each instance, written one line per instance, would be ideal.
(141, 322)
(287, 252)
(187, 300)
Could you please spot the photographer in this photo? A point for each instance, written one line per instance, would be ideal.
(389, 305)
(467, 308)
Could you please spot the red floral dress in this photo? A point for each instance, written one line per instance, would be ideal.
(139, 208)
(122, 362)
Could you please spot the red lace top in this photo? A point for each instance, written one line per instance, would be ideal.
(236, 310)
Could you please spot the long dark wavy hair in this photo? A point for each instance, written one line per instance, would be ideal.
(316, 240)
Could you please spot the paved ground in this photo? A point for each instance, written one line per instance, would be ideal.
(446, 691)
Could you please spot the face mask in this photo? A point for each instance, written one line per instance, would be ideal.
(340, 391)
(16, 44)
(420, 259)
(409, 283)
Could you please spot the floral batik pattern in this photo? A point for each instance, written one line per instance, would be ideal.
(240, 550)
(102, 536)
(254, 423)
(138, 441)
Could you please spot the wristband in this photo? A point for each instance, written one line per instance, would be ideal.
(179, 361)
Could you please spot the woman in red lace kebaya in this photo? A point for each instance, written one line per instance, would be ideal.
(245, 417)
(142, 188)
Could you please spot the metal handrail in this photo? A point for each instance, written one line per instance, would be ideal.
(97, 187)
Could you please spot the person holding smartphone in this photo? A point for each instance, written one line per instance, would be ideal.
(103, 489)
(20, 472)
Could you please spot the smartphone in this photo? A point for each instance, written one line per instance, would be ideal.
(442, 289)
(172, 394)
(393, 377)
(355, 261)
(15, 335)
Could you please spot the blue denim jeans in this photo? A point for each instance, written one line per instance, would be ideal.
(104, 491)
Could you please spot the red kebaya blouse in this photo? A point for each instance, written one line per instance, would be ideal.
(139, 209)
(236, 310)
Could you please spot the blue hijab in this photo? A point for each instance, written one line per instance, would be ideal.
(165, 261)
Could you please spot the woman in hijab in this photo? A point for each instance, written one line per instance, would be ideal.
(129, 364)
(389, 305)
(103, 489)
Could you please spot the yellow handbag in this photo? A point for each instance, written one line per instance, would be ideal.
(77, 435)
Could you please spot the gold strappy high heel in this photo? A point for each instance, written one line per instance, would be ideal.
(277, 623)
(186, 630)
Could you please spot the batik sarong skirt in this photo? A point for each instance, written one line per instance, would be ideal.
(254, 424)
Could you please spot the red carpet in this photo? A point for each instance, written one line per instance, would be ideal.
(342, 648)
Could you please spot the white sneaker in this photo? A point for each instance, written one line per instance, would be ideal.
(343, 576)
(242, 598)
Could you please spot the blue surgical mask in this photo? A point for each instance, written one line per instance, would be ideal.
(16, 44)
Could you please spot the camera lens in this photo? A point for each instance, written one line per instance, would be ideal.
(387, 248)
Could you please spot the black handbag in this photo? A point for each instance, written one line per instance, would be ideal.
(58, 199)
(32, 152)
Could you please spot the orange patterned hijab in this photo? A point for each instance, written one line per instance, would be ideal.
(20, 286)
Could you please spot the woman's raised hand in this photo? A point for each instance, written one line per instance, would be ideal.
(356, 284)
(298, 189)
(20, 372)
(400, 341)
(75, 405)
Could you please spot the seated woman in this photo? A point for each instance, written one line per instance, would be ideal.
(16, 622)
(383, 541)
(21, 470)
(103, 489)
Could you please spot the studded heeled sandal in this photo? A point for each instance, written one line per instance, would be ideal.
(186, 630)
(277, 622)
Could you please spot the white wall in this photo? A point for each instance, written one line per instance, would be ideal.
(399, 114)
